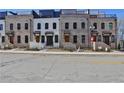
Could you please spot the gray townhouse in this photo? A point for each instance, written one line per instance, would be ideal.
(74, 29)
(18, 30)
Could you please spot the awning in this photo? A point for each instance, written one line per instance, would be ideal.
(106, 33)
(37, 32)
(94, 33)
(49, 32)
(10, 33)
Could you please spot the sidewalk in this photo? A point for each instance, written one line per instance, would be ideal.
(61, 53)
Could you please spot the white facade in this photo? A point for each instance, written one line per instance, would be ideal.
(46, 36)
(2, 33)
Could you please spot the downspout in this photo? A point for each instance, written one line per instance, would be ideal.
(116, 33)
(88, 29)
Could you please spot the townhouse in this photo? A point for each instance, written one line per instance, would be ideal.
(103, 29)
(121, 35)
(74, 29)
(2, 29)
(18, 30)
(2, 33)
(46, 32)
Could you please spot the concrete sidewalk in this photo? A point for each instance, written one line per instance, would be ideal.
(62, 53)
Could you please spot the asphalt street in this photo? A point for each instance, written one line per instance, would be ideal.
(37, 68)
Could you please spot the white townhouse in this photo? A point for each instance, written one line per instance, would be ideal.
(46, 33)
(2, 33)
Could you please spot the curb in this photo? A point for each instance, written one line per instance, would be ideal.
(64, 53)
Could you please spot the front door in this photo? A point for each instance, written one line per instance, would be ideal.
(106, 40)
(49, 41)
(11, 38)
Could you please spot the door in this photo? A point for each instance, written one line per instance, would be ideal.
(37, 38)
(66, 37)
(106, 40)
(11, 39)
(49, 41)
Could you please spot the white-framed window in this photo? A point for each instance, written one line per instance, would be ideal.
(3, 39)
(110, 26)
(42, 39)
(75, 39)
(83, 38)
(66, 25)
(38, 25)
(83, 25)
(113, 38)
(26, 26)
(74, 25)
(1, 26)
(102, 25)
(46, 25)
(56, 38)
(11, 26)
(54, 25)
(95, 25)
(18, 26)
(19, 39)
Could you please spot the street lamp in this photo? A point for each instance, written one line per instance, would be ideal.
(93, 39)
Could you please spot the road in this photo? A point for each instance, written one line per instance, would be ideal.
(37, 68)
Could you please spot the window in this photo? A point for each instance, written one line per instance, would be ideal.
(95, 25)
(66, 25)
(42, 39)
(66, 37)
(46, 25)
(19, 39)
(56, 38)
(26, 38)
(83, 38)
(112, 38)
(18, 26)
(3, 39)
(26, 26)
(99, 38)
(1, 26)
(110, 26)
(83, 25)
(54, 25)
(38, 26)
(11, 26)
(102, 25)
(75, 39)
(74, 25)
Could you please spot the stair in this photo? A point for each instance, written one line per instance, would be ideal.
(102, 45)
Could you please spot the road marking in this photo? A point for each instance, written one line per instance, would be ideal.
(104, 62)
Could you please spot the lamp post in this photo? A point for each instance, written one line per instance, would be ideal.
(93, 39)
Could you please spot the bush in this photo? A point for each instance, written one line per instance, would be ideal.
(7, 48)
(70, 47)
(33, 49)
